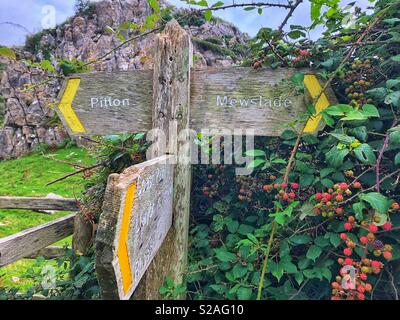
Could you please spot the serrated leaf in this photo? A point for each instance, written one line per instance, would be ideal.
(208, 15)
(365, 154)
(376, 200)
(244, 293)
(313, 252)
(255, 153)
(255, 163)
(223, 255)
(370, 110)
(300, 239)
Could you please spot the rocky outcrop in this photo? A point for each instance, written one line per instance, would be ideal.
(29, 117)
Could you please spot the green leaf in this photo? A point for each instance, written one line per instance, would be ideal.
(223, 255)
(358, 208)
(397, 159)
(327, 119)
(46, 65)
(219, 288)
(321, 242)
(338, 109)
(377, 93)
(334, 238)
(313, 252)
(296, 34)
(360, 133)
(244, 293)
(208, 15)
(8, 53)
(365, 154)
(396, 58)
(393, 98)
(298, 80)
(354, 115)
(376, 200)
(239, 271)
(217, 4)
(288, 266)
(154, 5)
(304, 263)
(370, 110)
(255, 153)
(245, 229)
(255, 163)
(299, 278)
(335, 157)
(300, 239)
(394, 137)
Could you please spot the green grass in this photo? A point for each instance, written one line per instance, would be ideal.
(27, 176)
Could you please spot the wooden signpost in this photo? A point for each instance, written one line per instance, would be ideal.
(143, 230)
(137, 215)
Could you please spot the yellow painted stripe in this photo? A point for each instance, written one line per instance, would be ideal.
(66, 106)
(123, 253)
(314, 88)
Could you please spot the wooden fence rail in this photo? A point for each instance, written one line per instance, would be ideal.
(35, 203)
(30, 241)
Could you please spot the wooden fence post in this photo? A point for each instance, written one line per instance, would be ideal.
(171, 96)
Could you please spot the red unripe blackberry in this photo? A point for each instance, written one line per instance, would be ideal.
(343, 186)
(351, 219)
(373, 228)
(276, 186)
(283, 185)
(318, 196)
(375, 264)
(387, 255)
(361, 296)
(285, 196)
(364, 240)
(368, 287)
(387, 226)
(343, 236)
(339, 210)
(328, 197)
(363, 276)
(292, 195)
(339, 198)
(347, 252)
(295, 185)
(348, 262)
(348, 226)
(361, 289)
(357, 185)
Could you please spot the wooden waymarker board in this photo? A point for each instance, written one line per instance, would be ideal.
(221, 98)
(137, 214)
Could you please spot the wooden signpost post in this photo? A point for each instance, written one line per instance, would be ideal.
(143, 230)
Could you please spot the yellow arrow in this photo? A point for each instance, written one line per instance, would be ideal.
(65, 106)
(314, 88)
(122, 251)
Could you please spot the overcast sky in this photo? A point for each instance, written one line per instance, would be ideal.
(21, 17)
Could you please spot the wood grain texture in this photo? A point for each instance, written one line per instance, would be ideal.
(31, 240)
(51, 252)
(150, 220)
(171, 114)
(229, 98)
(105, 119)
(36, 203)
(237, 83)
